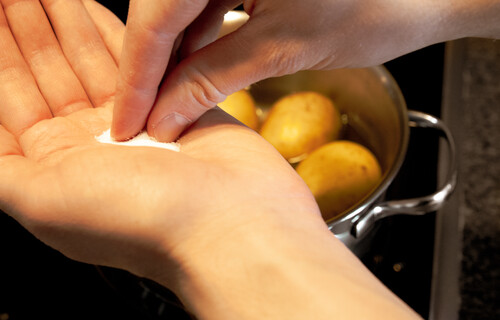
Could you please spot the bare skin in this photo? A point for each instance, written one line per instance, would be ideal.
(226, 223)
(281, 37)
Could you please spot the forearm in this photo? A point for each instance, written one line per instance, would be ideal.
(471, 18)
(285, 271)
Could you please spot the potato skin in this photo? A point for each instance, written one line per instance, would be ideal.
(301, 122)
(241, 106)
(340, 174)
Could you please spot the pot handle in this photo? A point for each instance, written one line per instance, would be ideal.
(420, 205)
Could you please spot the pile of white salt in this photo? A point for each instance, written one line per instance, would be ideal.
(142, 139)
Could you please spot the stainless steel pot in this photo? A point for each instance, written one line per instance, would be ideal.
(376, 112)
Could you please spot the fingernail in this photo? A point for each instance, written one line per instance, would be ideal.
(170, 127)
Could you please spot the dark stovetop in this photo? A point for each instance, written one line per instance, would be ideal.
(402, 252)
(38, 282)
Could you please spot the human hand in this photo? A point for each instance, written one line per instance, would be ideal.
(281, 37)
(127, 207)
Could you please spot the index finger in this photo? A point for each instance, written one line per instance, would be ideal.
(152, 28)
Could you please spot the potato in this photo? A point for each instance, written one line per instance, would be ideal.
(241, 106)
(301, 122)
(340, 174)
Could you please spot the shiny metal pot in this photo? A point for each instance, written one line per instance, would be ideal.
(376, 112)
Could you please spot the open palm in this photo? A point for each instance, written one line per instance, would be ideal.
(109, 204)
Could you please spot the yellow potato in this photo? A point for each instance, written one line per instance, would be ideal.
(241, 106)
(340, 174)
(301, 122)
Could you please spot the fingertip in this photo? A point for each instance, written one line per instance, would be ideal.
(117, 134)
(249, 6)
(125, 129)
(130, 110)
(169, 127)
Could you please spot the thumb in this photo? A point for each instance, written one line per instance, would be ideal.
(207, 76)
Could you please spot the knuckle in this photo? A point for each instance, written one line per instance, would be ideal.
(283, 58)
(203, 90)
(155, 31)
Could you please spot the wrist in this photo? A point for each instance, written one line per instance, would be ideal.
(216, 266)
(234, 276)
(291, 268)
